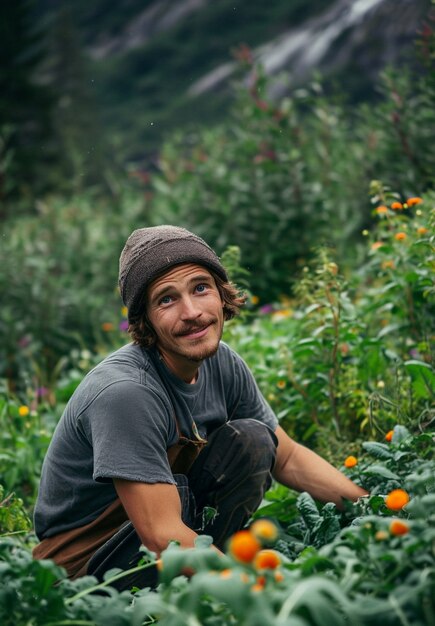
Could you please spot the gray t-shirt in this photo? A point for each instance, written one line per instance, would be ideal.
(120, 422)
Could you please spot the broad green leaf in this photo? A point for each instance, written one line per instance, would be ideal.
(400, 433)
(380, 470)
(378, 450)
(423, 378)
(391, 328)
(308, 510)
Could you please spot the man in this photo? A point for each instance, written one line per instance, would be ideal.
(167, 425)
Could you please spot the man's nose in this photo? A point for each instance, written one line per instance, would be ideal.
(190, 309)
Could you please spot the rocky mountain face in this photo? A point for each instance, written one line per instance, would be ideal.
(154, 63)
(368, 34)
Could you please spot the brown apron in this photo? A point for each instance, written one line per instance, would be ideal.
(72, 549)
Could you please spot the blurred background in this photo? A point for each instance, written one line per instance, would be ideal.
(89, 87)
(260, 126)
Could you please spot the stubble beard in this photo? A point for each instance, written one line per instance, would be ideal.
(205, 352)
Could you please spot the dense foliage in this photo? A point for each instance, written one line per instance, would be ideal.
(278, 181)
(344, 359)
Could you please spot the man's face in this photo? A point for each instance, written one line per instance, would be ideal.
(185, 310)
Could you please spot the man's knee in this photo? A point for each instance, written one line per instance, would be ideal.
(246, 442)
(254, 432)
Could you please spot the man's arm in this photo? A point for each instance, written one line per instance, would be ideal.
(155, 511)
(302, 469)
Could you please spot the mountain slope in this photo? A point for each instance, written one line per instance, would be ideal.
(154, 63)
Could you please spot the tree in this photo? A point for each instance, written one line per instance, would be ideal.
(25, 102)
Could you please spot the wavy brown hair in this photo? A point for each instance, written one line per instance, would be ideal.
(142, 333)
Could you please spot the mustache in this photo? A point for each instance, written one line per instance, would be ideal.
(187, 329)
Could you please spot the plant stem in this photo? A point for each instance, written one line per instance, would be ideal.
(108, 582)
(71, 622)
(333, 372)
(15, 532)
(398, 610)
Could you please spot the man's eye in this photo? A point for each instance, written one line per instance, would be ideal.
(201, 288)
(165, 300)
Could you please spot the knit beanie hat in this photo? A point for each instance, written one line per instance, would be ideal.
(150, 252)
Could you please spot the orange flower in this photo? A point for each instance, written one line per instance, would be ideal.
(376, 245)
(421, 230)
(264, 530)
(396, 499)
(399, 527)
(261, 580)
(267, 559)
(414, 201)
(389, 435)
(351, 461)
(381, 210)
(396, 206)
(257, 587)
(281, 384)
(107, 327)
(243, 546)
(400, 236)
(279, 577)
(344, 348)
(388, 265)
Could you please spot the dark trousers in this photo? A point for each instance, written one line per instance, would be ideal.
(231, 474)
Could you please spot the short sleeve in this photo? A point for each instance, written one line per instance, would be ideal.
(129, 426)
(249, 402)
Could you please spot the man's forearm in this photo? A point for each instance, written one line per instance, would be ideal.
(302, 469)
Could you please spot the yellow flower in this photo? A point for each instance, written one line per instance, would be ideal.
(23, 410)
(264, 530)
(388, 265)
(282, 314)
(124, 311)
(350, 461)
(332, 268)
(281, 384)
(400, 236)
(255, 300)
(381, 535)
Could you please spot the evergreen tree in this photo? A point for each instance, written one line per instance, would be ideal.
(25, 103)
(75, 116)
